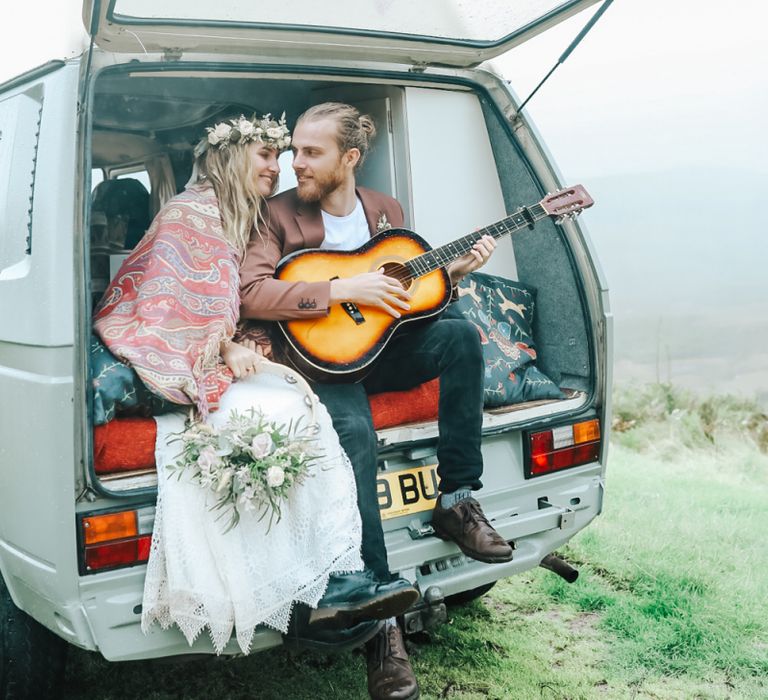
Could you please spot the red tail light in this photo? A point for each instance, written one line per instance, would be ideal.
(115, 539)
(114, 554)
(562, 447)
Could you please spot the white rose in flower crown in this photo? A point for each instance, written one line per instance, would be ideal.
(246, 128)
(208, 459)
(274, 132)
(261, 445)
(222, 131)
(213, 139)
(275, 477)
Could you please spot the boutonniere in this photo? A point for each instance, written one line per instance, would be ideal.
(383, 224)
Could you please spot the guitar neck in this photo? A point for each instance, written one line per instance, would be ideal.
(446, 254)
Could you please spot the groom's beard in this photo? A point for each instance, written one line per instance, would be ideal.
(317, 187)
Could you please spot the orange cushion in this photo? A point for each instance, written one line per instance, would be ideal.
(397, 407)
(124, 444)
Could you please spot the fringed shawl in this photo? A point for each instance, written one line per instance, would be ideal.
(174, 300)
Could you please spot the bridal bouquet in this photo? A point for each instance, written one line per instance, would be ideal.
(249, 463)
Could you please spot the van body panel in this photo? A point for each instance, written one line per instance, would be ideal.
(448, 33)
(37, 541)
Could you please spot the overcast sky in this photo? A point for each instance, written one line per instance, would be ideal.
(656, 84)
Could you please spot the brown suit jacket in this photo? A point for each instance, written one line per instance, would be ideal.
(292, 225)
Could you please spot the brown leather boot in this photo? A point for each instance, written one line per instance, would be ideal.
(390, 676)
(465, 524)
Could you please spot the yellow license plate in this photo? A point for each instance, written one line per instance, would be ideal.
(407, 491)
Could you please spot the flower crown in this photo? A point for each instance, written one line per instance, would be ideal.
(274, 134)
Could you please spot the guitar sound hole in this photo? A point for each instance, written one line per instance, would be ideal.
(399, 272)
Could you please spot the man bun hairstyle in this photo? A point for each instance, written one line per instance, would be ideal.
(354, 130)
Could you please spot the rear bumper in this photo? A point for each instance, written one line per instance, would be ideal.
(573, 504)
(111, 602)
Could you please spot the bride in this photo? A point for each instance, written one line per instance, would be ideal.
(171, 313)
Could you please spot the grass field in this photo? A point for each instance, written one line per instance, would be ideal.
(672, 601)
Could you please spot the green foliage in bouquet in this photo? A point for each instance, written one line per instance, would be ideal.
(249, 463)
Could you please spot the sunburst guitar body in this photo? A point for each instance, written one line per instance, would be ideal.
(342, 345)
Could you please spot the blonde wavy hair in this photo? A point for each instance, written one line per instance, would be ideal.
(231, 173)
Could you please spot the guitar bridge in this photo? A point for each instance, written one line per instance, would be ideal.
(351, 308)
(354, 313)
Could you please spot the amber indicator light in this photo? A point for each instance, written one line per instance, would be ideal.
(110, 526)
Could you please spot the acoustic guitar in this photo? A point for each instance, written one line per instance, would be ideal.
(341, 346)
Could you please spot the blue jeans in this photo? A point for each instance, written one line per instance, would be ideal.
(446, 348)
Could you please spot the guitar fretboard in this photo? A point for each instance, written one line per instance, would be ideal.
(446, 254)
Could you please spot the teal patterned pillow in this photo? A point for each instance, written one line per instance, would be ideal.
(117, 389)
(502, 312)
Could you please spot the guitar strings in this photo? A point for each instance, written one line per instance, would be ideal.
(433, 259)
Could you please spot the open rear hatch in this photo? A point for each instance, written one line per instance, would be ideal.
(457, 33)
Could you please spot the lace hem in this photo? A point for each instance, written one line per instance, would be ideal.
(191, 614)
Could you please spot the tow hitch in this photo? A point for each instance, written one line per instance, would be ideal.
(559, 566)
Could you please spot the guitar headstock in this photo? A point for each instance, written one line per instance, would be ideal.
(567, 203)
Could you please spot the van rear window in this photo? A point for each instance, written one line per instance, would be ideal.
(427, 19)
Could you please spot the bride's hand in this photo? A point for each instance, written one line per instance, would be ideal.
(242, 359)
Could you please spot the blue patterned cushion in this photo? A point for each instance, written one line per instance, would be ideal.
(117, 389)
(502, 312)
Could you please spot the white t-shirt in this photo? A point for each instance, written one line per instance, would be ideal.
(345, 232)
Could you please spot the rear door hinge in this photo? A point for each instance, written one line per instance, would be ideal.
(172, 54)
(87, 494)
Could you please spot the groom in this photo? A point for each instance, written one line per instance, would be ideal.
(328, 211)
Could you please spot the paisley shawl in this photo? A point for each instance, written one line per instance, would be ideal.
(174, 300)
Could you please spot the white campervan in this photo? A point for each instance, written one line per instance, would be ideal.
(451, 148)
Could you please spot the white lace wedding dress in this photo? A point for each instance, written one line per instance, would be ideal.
(198, 576)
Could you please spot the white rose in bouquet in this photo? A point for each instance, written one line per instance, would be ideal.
(208, 459)
(275, 477)
(261, 445)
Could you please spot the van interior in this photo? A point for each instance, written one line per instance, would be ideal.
(443, 150)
